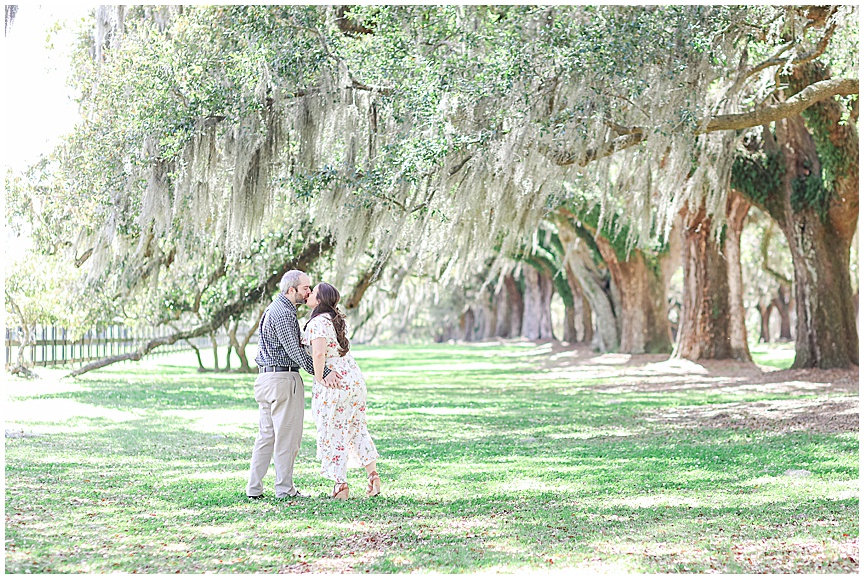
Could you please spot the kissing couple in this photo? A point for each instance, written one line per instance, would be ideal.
(338, 392)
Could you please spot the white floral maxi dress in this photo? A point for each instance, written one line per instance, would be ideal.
(340, 413)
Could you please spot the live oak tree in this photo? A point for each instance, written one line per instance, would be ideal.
(448, 130)
(637, 292)
(809, 166)
(35, 295)
(707, 328)
(680, 94)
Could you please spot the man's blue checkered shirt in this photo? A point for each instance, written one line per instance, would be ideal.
(279, 337)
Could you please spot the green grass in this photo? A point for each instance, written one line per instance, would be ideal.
(778, 355)
(489, 463)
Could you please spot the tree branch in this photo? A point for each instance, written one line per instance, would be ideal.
(567, 158)
(458, 167)
(79, 261)
(775, 60)
(211, 279)
(349, 26)
(363, 284)
(237, 307)
(797, 104)
(356, 84)
(763, 250)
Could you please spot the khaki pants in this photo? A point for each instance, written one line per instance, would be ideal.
(280, 398)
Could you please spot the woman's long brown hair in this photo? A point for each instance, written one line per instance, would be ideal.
(328, 297)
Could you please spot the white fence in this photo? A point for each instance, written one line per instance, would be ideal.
(53, 346)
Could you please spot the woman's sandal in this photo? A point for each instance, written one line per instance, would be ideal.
(374, 488)
(340, 491)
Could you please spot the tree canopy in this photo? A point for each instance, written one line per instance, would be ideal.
(217, 140)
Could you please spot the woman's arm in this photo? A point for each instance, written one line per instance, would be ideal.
(319, 353)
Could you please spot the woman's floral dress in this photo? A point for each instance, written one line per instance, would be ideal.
(340, 413)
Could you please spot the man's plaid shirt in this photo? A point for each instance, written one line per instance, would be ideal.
(279, 337)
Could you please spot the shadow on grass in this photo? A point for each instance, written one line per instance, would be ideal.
(483, 471)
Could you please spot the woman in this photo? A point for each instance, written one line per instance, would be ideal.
(340, 413)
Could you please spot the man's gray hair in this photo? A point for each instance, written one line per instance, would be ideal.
(290, 279)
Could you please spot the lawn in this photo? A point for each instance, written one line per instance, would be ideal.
(495, 458)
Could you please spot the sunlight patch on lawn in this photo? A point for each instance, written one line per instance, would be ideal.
(449, 367)
(705, 383)
(212, 530)
(578, 374)
(49, 382)
(791, 386)
(675, 366)
(526, 484)
(216, 475)
(789, 482)
(588, 434)
(361, 353)
(427, 410)
(53, 410)
(610, 359)
(664, 500)
(220, 421)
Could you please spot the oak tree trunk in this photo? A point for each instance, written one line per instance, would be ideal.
(826, 334)
(197, 351)
(503, 312)
(26, 338)
(642, 294)
(781, 303)
(571, 335)
(537, 315)
(703, 332)
(215, 345)
(816, 206)
(239, 345)
(228, 329)
(510, 306)
(582, 309)
(484, 322)
(765, 321)
(593, 287)
(737, 208)
(466, 325)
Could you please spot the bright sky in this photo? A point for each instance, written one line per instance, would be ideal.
(37, 105)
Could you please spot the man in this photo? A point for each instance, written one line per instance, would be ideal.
(279, 388)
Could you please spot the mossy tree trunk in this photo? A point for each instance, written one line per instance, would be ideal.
(240, 345)
(548, 258)
(571, 334)
(814, 199)
(466, 324)
(636, 290)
